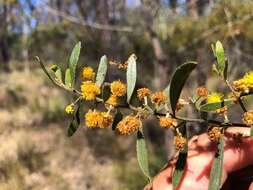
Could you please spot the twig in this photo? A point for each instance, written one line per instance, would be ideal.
(94, 25)
(61, 85)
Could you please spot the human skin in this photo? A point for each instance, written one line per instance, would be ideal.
(238, 154)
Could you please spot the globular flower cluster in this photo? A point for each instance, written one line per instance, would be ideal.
(96, 119)
(70, 109)
(88, 73)
(248, 118)
(245, 84)
(180, 142)
(118, 88)
(158, 98)
(202, 91)
(215, 97)
(90, 90)
(142, 93)
(128, 125)
(167, 122)
(215, 133)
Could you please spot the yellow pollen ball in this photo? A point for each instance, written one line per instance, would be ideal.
(245, 84)
(158, 98)
(88, 73)
(202, 91)
(215, 134)
(90, 90)
(214, 97)
(143, 92)
(167, 122)
(180, 142)
(118, 88)
(106, 120)
(93, 118)
(128, 125)
(248, 118)
(69, 109)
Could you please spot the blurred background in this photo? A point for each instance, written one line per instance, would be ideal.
(34, 150)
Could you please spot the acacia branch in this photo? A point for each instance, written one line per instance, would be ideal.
(76, 20)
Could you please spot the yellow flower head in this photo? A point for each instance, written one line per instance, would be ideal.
(248, 118)
(128, 125)
(215, 134)
(202, 91)
(112, 100)
(244, 84)
(90, 90)
(88, 73)
(249, 77)
(167, 122)
(158, 98)
(214, 97)
(180, 142)
(106, 120)
(143, 92)
(118, 88)
(93, 118)
(70, 109)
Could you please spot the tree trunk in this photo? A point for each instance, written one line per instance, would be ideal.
(173, 4)
(4, 50)
(103, 18)
(161, 61)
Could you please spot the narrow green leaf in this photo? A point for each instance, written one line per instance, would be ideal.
(178, 80)
(118, 117)
(208, 107)
(131, 76)
(74, 124)
(217, 167)
(142, 154)
(220, 55)
(57, 72)
(251, 131)
(68, 77)
(102, 69)
(73, 61)
(58, 75)
(179, 170)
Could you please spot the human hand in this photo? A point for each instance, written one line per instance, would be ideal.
(238, 155)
